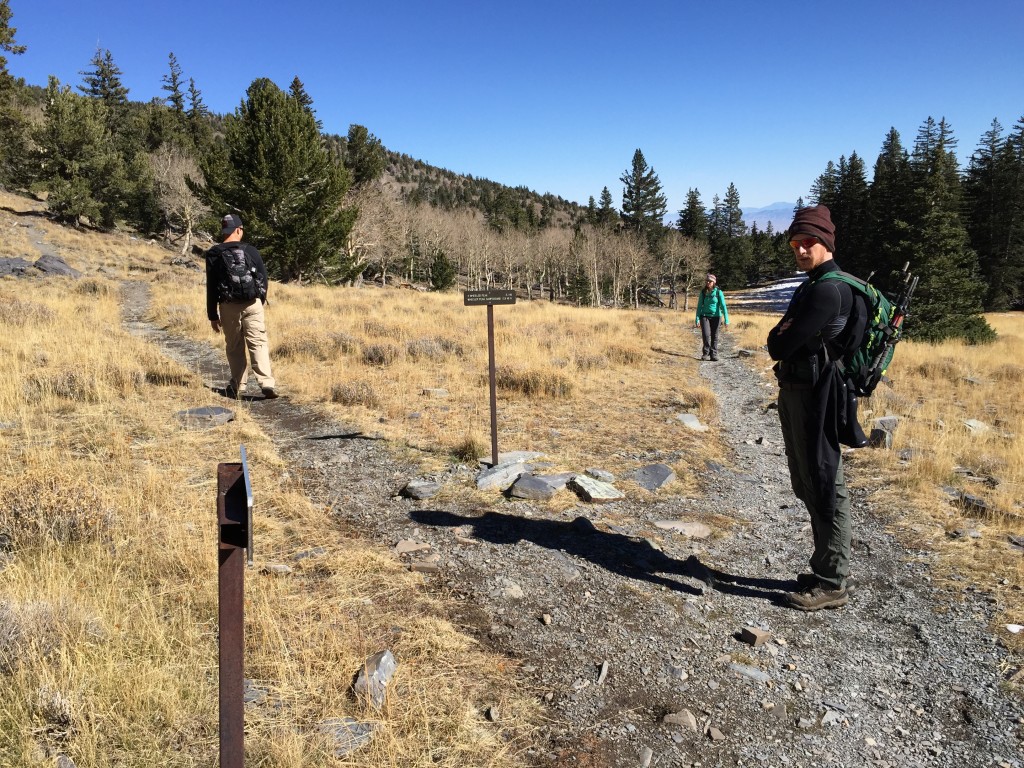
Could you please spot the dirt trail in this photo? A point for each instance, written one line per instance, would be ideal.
(617, 624)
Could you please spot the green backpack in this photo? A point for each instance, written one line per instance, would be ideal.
(866, 363)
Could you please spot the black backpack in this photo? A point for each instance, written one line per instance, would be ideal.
(237, 276)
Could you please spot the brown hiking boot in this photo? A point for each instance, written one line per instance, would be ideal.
(816, 598)
(808, 580)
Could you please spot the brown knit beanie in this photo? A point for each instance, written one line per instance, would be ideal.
(816, 222)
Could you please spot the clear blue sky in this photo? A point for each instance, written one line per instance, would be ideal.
(557, 95)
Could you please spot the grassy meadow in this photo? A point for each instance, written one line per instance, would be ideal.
(107, 504)
(108, 615)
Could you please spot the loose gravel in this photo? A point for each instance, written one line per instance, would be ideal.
(616, 623)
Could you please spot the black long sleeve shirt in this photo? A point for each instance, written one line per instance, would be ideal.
(818, 312)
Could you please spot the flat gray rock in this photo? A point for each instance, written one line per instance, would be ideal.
(55, 265)
(653, 476)
(347, 733)
(690, 420)
(533, 488)
(206, 417)
(689, 528)
(593, 490)
(420, 489)
(374, 677)
(600, 474)
(13, 266)
(501, 476)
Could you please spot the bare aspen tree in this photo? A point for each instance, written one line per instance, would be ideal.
(181, 209)
(695, 257)
(374, 236)
(636, 262)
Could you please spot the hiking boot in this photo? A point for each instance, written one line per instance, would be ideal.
(269, 393)
(714, 358)
(231, 391)
(809, 580)
(816, 598)
(703, 357)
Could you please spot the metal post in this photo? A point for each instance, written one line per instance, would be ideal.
(234, 511)
(494, 391)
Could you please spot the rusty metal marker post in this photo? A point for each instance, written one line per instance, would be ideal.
(234, 534)
(490, 298)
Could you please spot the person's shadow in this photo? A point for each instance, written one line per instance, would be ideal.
(624, 555)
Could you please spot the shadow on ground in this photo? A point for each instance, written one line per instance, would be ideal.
(624, 555)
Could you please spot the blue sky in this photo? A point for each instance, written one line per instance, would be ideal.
(557, 95)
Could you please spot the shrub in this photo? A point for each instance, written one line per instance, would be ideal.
(355, 393)
(380, 354)
(626, 355)
(534, 383)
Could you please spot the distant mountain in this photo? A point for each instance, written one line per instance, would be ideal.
(779, 214)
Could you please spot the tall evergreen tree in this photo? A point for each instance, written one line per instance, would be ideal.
(298, 92)
(693, 219)
(103, 81)
(994, 194)
(13, 125)
(365, 156)
(172, 83)
(197, 117)
(948, 301)
(607, 216)
(276, 173)
(891, 210)
(83, 174)
(643, 203)
(731, 253)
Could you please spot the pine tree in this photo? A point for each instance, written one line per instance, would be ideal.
(83, 174)
(14, 148)
(298, 92)
(276, 173)
(643, 203)
(365, 156)
(731, 254)
(890, 210)
(994, 194)
(103, 81)
(172, 83)
(607, 216)
(197, 117)
(693, 219)
(948, 301)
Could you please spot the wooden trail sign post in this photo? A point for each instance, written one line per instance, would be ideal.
(489, 299)
(234, 536)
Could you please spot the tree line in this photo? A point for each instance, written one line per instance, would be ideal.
(346, 209)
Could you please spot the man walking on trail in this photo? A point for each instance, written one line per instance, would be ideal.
(236, 290)
(806, 343)
(710, 312)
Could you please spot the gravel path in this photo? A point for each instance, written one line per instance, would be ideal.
(617, 623)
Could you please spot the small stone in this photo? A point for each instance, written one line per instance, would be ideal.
(374, 676)
(603, 674)
(408, 546)
(870, 742)
(645, 757)
(422, 566)
(277, 570)
(715, 734)
(754, 636)
(546, 619)
(684, 717)
(420, 490)
(805, 722)
(492, 714)
(689, 528)
(600, 474)
(692, 422)
(593, 490)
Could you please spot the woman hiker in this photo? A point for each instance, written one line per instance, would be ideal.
(710, 311)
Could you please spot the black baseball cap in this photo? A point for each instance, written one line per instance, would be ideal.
(229, 224)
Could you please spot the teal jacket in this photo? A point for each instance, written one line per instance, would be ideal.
(711, 305)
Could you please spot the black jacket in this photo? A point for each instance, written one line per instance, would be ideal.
(215, 266)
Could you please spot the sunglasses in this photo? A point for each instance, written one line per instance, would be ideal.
(806, 243)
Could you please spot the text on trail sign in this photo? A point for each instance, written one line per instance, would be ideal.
(481, 298)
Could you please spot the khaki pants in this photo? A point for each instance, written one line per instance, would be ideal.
(245, 329)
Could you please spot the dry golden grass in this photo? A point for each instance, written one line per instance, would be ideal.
(108, 649)
(935, 389)
(584, 386)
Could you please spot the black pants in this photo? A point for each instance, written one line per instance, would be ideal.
(709, 333)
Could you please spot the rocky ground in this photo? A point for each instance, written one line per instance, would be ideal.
(633, 635)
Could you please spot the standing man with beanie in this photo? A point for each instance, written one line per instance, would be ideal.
(710, 312)
(805, 344)
(236, 290)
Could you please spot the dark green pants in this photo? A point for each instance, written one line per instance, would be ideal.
(832, 530)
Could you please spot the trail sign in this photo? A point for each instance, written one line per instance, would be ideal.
(487, 298)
